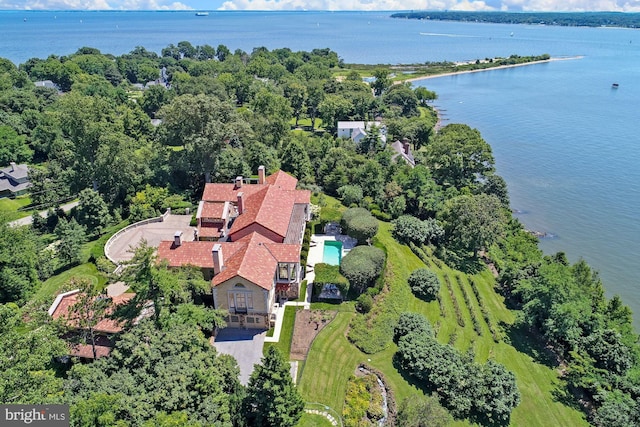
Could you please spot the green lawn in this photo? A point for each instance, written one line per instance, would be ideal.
(330, 362)
(332, 358)
(52, 286)
(313, 420)
(286, 334)
(9, 207)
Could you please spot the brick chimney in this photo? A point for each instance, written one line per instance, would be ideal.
(405, 146)
(238, 181)
(240, 203)
(261, 175)
(177, 238)
(218, 259)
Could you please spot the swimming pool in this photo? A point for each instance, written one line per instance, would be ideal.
(332, 252)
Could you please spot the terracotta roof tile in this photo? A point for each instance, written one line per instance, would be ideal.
(213, 210)
(271, 208)
(302, 196)
(283, 180)
(227, 192)
(197, 253)
(209, 232)
(106, 325)
(284, 252)
(254, 257)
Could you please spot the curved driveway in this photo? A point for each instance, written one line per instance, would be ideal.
(153, 233)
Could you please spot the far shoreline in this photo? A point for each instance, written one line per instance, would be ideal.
(500, 67)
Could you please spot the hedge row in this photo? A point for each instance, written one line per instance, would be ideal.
(474, 318)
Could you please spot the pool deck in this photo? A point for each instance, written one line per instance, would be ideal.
(315, 255)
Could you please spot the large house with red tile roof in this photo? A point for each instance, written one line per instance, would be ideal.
(249, 237)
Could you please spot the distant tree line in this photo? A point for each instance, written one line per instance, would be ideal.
(565, 19)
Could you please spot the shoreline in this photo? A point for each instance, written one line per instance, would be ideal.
(500, 67)
(439, 120)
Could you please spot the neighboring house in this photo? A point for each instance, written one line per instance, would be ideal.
(14, 180)
(358, 130)
(47, 83)
(105, 329)
(403, 150)
(248, 244)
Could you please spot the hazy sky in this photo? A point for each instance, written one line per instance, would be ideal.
(505, 5)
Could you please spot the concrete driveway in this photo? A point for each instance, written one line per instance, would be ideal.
(245, 345)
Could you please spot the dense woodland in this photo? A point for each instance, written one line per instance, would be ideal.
(221, 114)
(566, 19)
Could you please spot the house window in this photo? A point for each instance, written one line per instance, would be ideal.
(235, 319)
(283, 271)
(250, 320)
(240, 301)
(293, 272)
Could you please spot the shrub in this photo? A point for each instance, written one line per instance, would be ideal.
(359, 224)
(350, 194)
(418, 410)
(364, 303)
(362, 265)
(487, 398)
(362, 228)
(409, 323)
(381, 215)
(409, 229)
(424, 284)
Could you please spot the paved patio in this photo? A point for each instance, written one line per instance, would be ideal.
(153, 233)
(245, 345)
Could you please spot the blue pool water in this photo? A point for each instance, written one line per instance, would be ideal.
(332, 252)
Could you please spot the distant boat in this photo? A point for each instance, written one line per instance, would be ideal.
(615, 85)
(202, 13)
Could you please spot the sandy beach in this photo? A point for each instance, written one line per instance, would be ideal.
(501, 67)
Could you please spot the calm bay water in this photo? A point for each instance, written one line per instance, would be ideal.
(565, 141)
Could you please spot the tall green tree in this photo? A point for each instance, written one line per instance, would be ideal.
(294, 159)
(13, 147)
(153, 281)
(296, 93)
(472, 223)
(382, 81)
(458, 156)
(71, 235)
(28, 371)
(422, 411)
(272, 399)
(149, 372)
(18, 263)
(271, 115)
(89, 309)
(202, 125)
(93, 212)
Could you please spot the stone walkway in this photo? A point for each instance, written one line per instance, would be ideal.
(327, 415)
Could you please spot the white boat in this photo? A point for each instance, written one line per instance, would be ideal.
(202, 13)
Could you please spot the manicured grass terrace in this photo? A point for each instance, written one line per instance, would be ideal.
(286, 333)
(333, 358)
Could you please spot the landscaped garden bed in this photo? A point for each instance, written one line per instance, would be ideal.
(308, 325)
